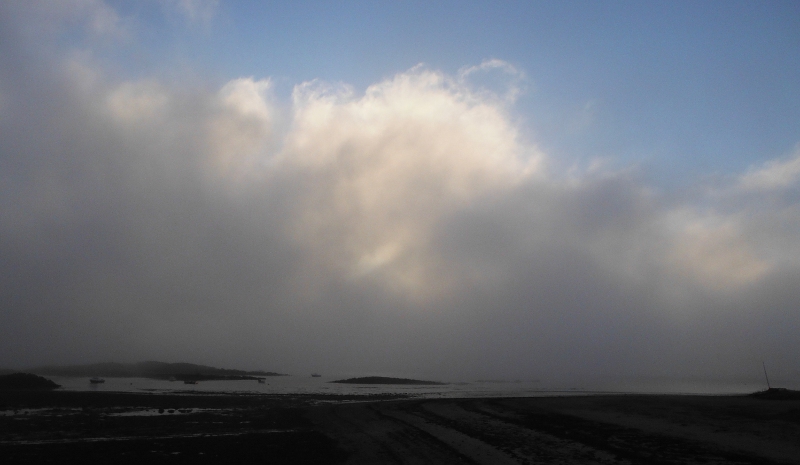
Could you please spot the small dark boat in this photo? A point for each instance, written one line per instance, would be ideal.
(189, 381)
(96, 380)
(315, 375)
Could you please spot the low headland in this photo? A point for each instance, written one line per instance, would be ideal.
(154, 370)
(777, 394)
(25, 381)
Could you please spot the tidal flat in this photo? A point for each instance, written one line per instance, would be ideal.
(58, 426)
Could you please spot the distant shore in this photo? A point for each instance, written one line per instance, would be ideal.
(389, 381)
(152, 369)
(194, 427)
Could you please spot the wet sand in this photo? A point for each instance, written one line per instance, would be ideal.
(63, 426)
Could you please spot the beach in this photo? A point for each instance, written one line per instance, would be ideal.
(54, 426)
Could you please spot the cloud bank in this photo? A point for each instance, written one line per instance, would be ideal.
(405, 229)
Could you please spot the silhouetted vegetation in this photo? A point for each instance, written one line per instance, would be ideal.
(24, 381)
(777, 394)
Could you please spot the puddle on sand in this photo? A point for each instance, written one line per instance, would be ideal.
(163, 411)
(38, 411)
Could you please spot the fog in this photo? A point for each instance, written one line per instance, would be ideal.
(403, 229)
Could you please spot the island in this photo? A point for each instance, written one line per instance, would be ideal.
(386, 380)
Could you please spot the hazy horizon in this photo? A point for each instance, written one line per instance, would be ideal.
(750, 382)
(465, 190)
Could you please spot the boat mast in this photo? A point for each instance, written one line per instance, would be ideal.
(765, 374)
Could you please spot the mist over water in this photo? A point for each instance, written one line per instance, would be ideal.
(287, 385)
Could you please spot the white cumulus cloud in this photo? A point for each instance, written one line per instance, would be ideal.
(383, 170)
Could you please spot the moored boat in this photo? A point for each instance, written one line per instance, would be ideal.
(96, 380)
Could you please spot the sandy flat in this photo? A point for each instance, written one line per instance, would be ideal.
(199, 428)
(571, 430)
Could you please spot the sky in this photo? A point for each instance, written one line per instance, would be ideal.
(565, 191)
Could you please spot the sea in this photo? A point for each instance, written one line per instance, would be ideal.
(285, 385)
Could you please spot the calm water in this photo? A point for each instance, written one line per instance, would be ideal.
(322, 385)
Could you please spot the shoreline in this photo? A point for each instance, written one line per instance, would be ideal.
(318, 428)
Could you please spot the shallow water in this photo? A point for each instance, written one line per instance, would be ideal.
(322, 385)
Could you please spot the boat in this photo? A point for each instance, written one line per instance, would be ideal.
(96, 380)
(189, 381)
(316, 375)
(261, 381)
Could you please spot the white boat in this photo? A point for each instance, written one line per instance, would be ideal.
(96, 380)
